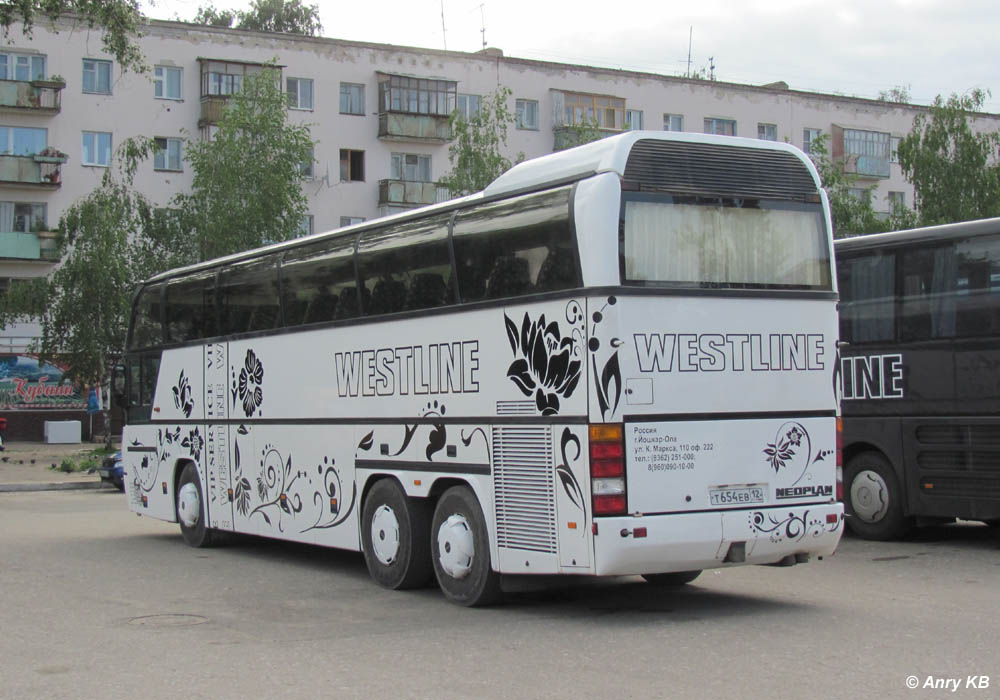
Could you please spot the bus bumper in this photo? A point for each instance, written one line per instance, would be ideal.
(690, 541)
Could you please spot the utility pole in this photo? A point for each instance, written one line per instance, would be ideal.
(482, 18)
(690, 35)
(444, 32)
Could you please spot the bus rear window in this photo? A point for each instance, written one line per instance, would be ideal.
(725, 243)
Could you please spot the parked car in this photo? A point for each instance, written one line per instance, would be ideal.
(111, 471)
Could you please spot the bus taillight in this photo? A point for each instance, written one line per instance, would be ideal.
(607, 469)
(840, 459)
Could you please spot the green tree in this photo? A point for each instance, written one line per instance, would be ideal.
(899, 94)
(283, 16)
(119, 19)
(247, 188)
(107, 247)
(953, 168)
(475, 153)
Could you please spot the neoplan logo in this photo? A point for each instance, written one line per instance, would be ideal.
(804, 492)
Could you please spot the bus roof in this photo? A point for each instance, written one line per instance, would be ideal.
(611, 155)
(603, 156)
(916, 236)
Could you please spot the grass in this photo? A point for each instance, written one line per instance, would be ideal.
(88, 460)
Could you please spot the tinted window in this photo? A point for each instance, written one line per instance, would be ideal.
(248, 297)
(190, 313)
(147, 329)
(514, 247)
(318, 282)
(867, 297)
(406, 267)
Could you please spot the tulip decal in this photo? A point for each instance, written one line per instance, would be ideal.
(545, 364)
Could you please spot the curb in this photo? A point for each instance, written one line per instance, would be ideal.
(65, 486)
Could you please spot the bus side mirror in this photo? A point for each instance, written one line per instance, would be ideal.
(118, 384)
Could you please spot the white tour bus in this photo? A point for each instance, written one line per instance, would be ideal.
(618, 359)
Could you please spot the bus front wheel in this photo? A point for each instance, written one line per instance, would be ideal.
(874, 502)
(190, 509)
(460, 550)
(394, 534)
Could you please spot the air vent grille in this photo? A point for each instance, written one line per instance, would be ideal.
(681, 167)
(524, 489)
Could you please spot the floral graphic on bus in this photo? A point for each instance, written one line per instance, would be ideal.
(569, 482)
(782, 450)
(794, 526)
(607, 381)
(183, 396)
(249, 386)
(545, 364)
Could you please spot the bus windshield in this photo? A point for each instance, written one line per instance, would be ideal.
(725, 243)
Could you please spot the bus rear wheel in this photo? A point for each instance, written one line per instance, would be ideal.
(190, 509)
(672, 579)
(394, 537)
(460, 550)
(874, 502)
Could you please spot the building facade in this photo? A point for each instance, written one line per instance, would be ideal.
(378, 113)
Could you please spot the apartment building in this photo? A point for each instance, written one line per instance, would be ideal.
(379, 115)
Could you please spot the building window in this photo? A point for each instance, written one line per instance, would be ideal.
(16, 66)
(720, 127)
(633, 120)
(767, 132)
(222, 78)
(468, 106)
(168, 154)
(352, 165)
(808, 136)
(399, 93)
(411, 167)
(96, 148)
(894, 149)
(593, 110)
(167, 83)
(673, 122)
(306, 166)
(97, 76)
(351, 220)
(306, 225)
(21, 217)
(22, 140)
(866, 153)
(300, 93)
(897, 199)
(352, 98)
(527, 114)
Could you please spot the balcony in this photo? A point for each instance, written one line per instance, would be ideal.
(409, 193)
(38, 96)
(861, 152)
(41, 170)
(212, 107)
(29, 246)
(424, 128)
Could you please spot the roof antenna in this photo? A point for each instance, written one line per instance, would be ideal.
(482, 17)
(690, 35)
(444, 32)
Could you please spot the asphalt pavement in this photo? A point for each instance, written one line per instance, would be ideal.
(34, 466)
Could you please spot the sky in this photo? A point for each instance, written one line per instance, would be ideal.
(847, 47)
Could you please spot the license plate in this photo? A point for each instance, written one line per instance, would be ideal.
(104, 472)
(737, 495)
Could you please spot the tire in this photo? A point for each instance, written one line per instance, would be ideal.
(873, 500)
(395, 533)
(189, 504)
(673, 579)
(460, 550)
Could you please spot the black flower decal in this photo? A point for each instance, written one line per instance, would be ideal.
(183, 396)
(194, 443)
(779, 452)
(242, 495)
(545, 363)
(251, 378)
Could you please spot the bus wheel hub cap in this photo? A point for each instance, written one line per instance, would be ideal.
(188, 505)
(456, 546)
(869, 496)
(385, 535)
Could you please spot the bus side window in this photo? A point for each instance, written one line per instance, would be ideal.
(147, 329)
(317, 282)
(514, 247)
(248, 297)
(978, 303)
(867, 297)
(190, 313)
